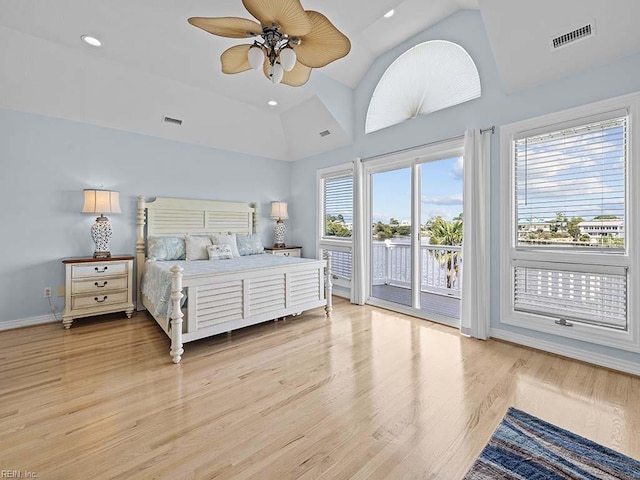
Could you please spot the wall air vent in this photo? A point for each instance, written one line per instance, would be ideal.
(174, 121)
(565, 39)
(324, 133)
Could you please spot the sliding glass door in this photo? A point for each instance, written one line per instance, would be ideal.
(441, 237)
(416, 223)
(391, 262)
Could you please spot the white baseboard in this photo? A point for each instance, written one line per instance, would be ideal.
(565, 351)
(27, 322)
(341, 292)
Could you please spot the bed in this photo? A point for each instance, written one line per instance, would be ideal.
(203, 298)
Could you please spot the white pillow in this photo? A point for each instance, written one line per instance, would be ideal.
(196, 247)
(219, 252)
(223, 239)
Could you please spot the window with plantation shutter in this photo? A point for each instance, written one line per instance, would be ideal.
(567, 269)
(335, 187)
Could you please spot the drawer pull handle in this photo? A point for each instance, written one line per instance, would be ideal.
(101, 271)
(286, 254)
(100, 301)
(101, 286)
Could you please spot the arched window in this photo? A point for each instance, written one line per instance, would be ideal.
(428, 77)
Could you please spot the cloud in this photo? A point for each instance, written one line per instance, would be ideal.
(446, 200)
(458, 169)
(437, 212)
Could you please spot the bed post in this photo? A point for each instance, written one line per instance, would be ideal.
(176, 314)
(328, 284)
(140, 252)
(255, 217)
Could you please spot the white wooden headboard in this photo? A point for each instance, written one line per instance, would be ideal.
(175, 216)
(179, 216)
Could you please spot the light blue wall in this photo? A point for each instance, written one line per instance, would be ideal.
(493, 108)
(45, 163)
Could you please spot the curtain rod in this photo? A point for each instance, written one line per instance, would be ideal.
(491, 129)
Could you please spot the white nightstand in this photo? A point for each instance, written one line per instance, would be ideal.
(284, 251)
(95, 286)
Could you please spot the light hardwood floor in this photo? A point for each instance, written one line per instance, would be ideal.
(368, 394)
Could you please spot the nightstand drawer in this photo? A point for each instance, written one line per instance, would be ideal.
(98, 300)
(99, 270)
(287, 253)
(98, 285)
(284, 251)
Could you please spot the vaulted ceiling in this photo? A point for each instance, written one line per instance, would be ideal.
(154, 64)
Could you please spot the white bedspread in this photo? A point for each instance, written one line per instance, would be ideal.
(156, 279)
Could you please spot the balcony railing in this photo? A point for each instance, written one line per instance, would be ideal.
(391, 265)
(441, 267)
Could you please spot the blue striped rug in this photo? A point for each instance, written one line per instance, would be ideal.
(525, 447)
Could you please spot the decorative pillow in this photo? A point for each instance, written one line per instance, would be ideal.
(196, 247)
(219, 252)
(222, 239)
(166, 248)
(249, 244)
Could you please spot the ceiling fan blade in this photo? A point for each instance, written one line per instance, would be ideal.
(287, 14)
(323, 45)
(298, 76)
(234, 59)
(231, 27)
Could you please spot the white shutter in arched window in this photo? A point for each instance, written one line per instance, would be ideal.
(428, 77)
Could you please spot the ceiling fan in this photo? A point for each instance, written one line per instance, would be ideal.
(289, 40)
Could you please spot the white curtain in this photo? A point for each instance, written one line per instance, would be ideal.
(358, 236)
(474, 320)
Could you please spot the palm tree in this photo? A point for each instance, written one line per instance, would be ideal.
(443, 232)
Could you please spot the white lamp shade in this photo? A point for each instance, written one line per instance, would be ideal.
(288, 59)
(255, 55)
(277, 72)
(279, 210)
(101, 201)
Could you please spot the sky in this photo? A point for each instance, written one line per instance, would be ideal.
(441, 192)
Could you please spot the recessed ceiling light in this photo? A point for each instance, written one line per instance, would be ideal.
(390, 13)
(93, 41)
(272, 103)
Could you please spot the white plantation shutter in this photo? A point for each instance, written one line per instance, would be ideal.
(579, 172)
(338, 199)
(341, 264)
(571, 293)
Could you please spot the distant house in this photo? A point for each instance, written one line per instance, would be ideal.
(602, 228)
(527, 225)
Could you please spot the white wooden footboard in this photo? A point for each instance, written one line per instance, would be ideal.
(218, 304)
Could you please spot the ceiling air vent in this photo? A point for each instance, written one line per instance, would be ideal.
(324, 133)
(581, 33)
(174, 121)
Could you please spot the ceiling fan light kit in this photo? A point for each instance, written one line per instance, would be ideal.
(288, 42)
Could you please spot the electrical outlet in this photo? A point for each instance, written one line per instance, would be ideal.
(47, 292)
